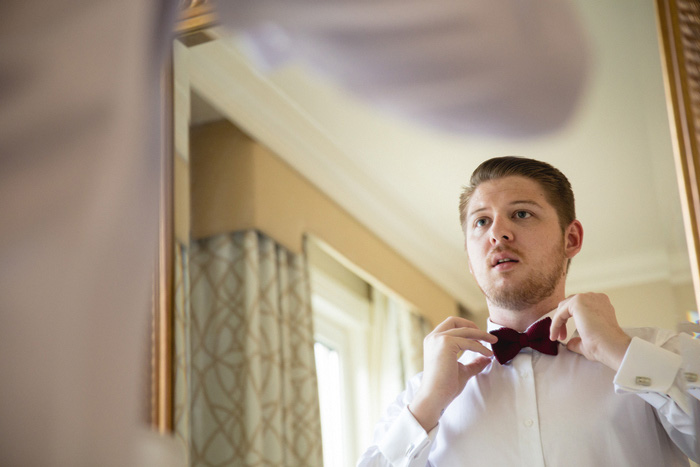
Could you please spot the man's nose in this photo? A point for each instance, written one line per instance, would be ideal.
(501, 232)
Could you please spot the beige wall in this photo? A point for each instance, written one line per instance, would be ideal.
(657, 304)
(236, 183)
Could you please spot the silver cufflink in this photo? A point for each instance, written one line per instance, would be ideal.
(691, 377)
(642, 380)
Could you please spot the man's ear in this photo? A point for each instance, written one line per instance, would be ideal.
(573, 239)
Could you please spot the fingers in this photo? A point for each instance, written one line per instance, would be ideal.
(475, 346)
(454, 322)
(471, 333)
(459, 335)
(460, 344)
(557, 330)
(575, 345)
(475, 367)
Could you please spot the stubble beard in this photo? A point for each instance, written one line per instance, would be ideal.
(534, 289)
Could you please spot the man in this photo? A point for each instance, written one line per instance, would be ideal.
(567, 403)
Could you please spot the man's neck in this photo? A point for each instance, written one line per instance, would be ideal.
(520, 319)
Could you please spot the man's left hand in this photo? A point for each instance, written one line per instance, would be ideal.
(601, 338)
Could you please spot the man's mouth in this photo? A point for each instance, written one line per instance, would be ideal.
(501, 259)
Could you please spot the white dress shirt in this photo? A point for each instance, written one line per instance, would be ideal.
(558, 410)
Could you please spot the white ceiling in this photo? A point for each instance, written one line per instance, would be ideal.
(403, 181)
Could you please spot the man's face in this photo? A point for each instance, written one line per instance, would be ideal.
(516, 248)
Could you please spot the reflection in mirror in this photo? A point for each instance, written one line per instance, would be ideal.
(278, 176)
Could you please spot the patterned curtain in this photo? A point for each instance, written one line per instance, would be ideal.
(245, 384)
(182, 359)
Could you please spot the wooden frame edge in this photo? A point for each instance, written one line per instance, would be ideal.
(684, 133)
(193, 16)
(161, 413)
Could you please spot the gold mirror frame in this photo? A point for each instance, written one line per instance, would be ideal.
(160, 391)
(679, 30)
(193, 16)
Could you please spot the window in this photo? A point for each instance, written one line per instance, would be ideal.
(341, 369)
(331, 402)
(359, 359)
(341, 307)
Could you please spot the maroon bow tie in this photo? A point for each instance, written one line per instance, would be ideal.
(510, 342)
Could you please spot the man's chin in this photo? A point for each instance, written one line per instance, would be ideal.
(510, 302)
(515, 296)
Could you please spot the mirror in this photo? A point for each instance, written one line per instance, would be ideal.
(617, 150)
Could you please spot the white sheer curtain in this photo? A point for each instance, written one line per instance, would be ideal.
(246, 360)
(396, 349)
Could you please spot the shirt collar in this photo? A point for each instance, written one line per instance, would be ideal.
(570, 326)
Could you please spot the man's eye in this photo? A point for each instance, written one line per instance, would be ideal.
(522, 214)
(480, 223)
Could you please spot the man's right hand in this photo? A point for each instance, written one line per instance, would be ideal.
(444, 377)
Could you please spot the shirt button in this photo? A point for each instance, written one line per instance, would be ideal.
(529, 422)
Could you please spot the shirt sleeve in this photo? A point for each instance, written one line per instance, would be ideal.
(399, 440)
(659, 368)
(690, 351)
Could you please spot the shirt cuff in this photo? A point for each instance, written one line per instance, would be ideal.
(406, 442)
(647, 368)
(650, 371)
